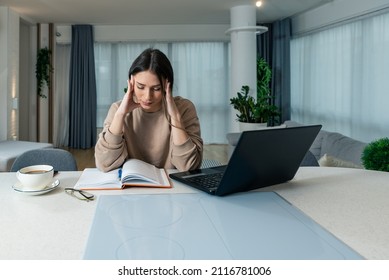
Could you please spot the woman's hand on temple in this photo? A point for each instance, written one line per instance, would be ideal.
(128, 104)
(178, 131)
(171, 106)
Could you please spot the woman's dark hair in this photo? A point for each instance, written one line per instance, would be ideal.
(155, 61)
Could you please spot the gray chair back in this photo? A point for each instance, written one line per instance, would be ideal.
(61, 160)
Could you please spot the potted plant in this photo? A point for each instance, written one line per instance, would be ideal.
(375, 156)
(257, 110)
(42, 69)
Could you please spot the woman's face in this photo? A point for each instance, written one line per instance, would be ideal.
(148, 91)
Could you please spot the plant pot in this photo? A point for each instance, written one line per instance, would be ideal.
(251, 126)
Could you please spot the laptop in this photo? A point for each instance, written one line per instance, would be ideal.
(261, 158)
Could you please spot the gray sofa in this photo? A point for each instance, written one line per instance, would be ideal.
(335, 149)
(10, 150)
(328, 149)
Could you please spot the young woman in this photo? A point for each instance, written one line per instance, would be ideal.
(149, 123)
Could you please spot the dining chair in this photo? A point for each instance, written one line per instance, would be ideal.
(61, 160)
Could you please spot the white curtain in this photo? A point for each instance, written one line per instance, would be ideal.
(112, 62)
(201, 75)
(339, 78)
(61, 95)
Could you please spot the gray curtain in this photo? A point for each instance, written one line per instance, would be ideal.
(82, 89)
(274, 47)
(265, 43)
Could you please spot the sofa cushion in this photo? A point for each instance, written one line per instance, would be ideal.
(331, 161)
(336, 145)
(342, 147)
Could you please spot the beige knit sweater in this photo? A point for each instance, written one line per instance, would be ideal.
(147, 136)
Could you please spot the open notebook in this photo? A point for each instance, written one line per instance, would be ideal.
(134, 173)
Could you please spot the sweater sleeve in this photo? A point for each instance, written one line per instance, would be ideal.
(188, 156)
(110, 149)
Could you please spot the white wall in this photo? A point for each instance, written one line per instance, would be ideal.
(3, 73)
(334, 12)
(9, 72)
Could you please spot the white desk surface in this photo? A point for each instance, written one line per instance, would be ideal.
(352, 204)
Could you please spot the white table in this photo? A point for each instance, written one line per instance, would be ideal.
(352, 204)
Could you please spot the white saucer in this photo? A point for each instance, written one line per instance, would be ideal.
(18, 187)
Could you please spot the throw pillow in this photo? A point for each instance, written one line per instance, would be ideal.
(327, 160)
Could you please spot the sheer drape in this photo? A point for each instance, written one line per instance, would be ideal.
(112, 61)
(339, 77)
(201, 75)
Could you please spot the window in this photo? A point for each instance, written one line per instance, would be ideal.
(201, 72)
(339, 78)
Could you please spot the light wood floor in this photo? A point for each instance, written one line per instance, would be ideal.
(86, 158)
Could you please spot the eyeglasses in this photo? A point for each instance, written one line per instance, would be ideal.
(80, 194)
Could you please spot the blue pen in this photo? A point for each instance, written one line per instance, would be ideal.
(120, 174)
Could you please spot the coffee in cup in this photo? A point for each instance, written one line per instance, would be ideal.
(35, 177)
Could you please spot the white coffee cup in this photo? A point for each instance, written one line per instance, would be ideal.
(35, 177)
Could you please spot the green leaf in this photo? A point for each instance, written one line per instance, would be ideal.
(43, 68)
(259, 109)
(375, 156)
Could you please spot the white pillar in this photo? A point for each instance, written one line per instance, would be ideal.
(243, 52)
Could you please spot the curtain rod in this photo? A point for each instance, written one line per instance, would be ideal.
(341, 22)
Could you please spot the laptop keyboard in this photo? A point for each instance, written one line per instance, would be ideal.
(208, 181)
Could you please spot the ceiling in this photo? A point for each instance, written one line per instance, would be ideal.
(150, 12)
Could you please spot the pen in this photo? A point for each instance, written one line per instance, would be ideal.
(120, 174)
